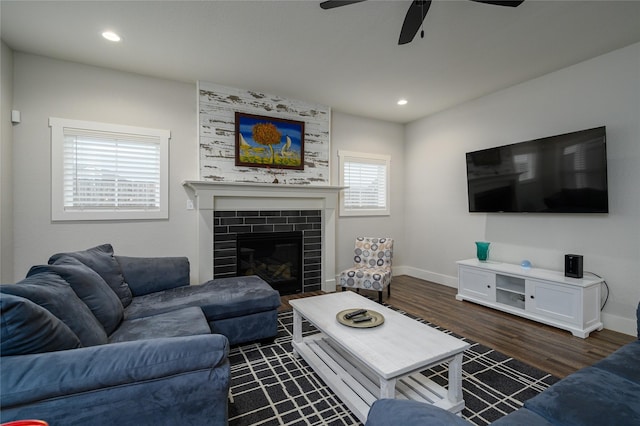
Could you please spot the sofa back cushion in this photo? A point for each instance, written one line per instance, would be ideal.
(54, 294)
(101, 260)
(152, 274)
(89, 287)
(26, 328)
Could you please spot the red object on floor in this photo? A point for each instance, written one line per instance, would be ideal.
(26, 423)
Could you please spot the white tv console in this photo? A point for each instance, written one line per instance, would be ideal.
(541, 295)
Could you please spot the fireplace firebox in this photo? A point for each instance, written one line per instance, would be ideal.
(276, 257)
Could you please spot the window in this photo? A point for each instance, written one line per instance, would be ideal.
(525, 164)
(105, 171)
(367, 179)
(575, 160)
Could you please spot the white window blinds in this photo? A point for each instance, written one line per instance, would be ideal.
(108, 172)
(366, 177)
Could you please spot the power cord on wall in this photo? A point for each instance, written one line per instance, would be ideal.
(606, 286)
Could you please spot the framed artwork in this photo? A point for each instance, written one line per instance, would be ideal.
(269, 142)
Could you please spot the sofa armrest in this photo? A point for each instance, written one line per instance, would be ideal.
(29, 379)
(151, 274)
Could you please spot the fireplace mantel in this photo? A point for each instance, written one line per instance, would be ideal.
(211, 196)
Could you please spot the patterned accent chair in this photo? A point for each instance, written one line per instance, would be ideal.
(371, 266)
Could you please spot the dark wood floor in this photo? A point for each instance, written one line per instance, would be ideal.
(547, 348)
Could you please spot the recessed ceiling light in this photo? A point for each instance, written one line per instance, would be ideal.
(111, 36)
(402, 102)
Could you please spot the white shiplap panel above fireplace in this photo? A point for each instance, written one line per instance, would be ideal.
(217, 106)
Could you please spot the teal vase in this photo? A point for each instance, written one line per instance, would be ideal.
(482, 250)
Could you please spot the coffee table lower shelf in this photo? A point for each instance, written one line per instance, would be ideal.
(359, 387)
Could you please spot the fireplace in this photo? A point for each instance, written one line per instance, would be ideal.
(228, 208)
(233, 228)
(276, 257)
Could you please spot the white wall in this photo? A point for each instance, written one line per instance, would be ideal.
(45, 87)
(439, 229)
(353, 133)
(6, 160)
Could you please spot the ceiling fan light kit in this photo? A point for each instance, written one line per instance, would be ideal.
(416, 14)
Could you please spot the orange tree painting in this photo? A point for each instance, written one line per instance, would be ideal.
(269, 142)
(267, 134)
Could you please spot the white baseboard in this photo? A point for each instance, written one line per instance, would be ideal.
(620, 324)
(447, 280)
(329, 285)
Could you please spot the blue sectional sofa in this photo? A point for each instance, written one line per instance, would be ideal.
(606, 393)
(94, 338)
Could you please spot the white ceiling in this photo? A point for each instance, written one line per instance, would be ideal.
(347, 58)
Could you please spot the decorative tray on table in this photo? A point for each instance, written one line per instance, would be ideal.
(360, 318)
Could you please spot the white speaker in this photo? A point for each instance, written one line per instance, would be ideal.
(15, 116)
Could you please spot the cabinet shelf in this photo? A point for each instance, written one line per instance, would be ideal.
(508, 290)
(510, 298)
(537, 294)
(510, 283)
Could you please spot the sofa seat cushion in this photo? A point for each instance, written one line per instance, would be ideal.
(590, 396)
(90, 288)
(101, 260)
(26, 328)
(182, 322)
(220, 298)
(623, 362)
(54, 294)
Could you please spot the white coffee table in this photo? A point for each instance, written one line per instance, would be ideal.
(362, 365)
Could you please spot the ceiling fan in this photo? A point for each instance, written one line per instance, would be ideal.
(415, 15)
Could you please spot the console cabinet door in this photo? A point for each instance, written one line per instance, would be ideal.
(477, 284)
(554, 301)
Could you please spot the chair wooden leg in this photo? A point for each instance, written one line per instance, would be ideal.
(380, 297)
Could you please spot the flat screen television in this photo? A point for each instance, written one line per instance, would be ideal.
(558, 174)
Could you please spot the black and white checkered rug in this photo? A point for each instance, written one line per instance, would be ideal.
(271, 387)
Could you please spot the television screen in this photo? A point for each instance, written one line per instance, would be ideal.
(558, 174)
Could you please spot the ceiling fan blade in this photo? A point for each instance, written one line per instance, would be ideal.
(412, 22)
(330, 4)
(515, 3)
